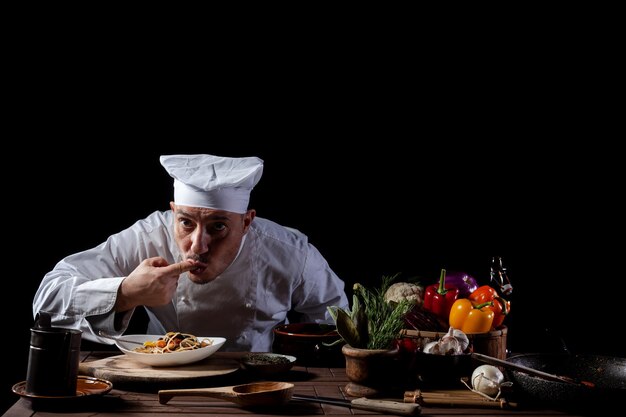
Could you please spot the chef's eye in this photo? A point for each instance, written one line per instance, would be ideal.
(218, 227)
(185, 223)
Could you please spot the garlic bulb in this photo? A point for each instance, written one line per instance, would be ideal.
(452, 343)
(460, 337)
(487, 379)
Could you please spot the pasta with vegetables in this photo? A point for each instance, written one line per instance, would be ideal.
(173, 342)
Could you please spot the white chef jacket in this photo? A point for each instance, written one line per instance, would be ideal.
(277, 270)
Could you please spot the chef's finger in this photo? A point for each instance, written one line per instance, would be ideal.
(156, 261)
(180, 267)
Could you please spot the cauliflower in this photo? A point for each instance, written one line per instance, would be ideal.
(405, 291)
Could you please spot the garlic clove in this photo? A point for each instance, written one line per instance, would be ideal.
(451, 344)
(430, 347)
(462, 338)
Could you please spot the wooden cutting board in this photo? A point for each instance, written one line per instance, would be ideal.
(121, 369)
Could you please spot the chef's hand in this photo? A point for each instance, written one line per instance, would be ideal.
(152, 283)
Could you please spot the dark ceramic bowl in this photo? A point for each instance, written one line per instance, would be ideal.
(443, 370)
(266, 364)
(308, 342)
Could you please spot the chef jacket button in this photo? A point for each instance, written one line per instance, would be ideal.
(248, 305)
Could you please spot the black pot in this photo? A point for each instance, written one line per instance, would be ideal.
(603, 380)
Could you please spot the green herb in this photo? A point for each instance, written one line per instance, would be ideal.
(372, 323)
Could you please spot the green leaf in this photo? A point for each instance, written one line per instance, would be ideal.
(332, 310)
(356, 306)
(347, 328)
(361, 324)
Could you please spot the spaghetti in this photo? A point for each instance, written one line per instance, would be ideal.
(173, 342)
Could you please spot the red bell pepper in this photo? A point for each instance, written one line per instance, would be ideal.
(500, 306)
(438, 298)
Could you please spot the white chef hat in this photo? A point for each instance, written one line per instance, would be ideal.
(211, 181)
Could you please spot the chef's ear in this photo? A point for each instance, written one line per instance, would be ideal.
(247, 219)
(173, 206)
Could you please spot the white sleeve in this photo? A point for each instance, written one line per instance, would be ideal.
(80, 292)
(322, 288)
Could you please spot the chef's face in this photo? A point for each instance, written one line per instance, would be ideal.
(210, 237)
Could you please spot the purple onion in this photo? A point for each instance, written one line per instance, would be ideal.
(463, 281)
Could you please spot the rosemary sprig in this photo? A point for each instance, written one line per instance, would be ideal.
(373, 323)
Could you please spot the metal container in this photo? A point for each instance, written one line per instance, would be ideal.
(53, 360)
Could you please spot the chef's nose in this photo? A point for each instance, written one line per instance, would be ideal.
(200, 241)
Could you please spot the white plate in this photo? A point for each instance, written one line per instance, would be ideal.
(166, 359)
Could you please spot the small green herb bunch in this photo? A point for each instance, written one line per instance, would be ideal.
(373, 323)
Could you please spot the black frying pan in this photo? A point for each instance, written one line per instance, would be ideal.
(606, 374)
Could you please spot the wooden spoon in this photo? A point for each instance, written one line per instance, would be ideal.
(255, 394)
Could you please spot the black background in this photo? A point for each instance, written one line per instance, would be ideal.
(392, 158)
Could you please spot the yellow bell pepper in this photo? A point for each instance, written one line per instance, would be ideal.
(470, 317)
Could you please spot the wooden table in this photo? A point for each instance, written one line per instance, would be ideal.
(140, 401)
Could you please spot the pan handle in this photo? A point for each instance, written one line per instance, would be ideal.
(510, 365)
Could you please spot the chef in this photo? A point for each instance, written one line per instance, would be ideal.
(208, 266)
